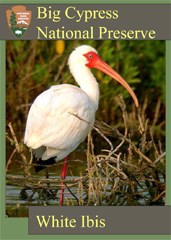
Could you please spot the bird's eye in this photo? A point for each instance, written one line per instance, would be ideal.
(90, 56)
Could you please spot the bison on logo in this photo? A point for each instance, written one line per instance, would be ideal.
(18, 19)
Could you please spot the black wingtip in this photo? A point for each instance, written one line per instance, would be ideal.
(38, 168)
(42, 164)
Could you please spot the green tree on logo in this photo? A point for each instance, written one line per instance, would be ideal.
(13, 19)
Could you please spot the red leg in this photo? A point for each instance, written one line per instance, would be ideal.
(63, 175)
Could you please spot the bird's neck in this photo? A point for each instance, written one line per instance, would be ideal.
(88, 84)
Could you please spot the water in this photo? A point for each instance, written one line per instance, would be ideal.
(24, 195)
(19, 198)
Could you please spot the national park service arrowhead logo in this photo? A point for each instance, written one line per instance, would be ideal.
(18, 19)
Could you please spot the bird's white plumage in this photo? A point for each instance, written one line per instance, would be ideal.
(61, 117)
(76, 58)
(55, 120)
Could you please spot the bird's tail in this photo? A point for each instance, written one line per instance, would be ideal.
(40, 164)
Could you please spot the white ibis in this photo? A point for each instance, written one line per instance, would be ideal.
(61, 117)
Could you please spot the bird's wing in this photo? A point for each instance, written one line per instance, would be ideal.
(56, 118)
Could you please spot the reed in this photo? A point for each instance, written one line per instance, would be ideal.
(125, 158)
(128, 173)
